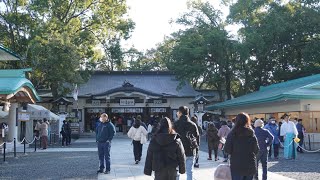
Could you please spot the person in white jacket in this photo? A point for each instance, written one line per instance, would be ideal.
(289, 132)
(138, 134)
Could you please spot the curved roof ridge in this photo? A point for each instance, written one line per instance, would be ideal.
(288, 82)
(7, 53)
(130, 89)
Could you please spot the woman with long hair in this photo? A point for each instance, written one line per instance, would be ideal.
(136, 133)
(242, 146)
(165, 153)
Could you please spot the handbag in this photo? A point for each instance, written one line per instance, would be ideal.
(223, 172)
(143, 139)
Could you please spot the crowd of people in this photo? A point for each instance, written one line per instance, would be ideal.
(42, 131)
(174, 146)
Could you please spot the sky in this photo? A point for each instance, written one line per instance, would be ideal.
(152, 19)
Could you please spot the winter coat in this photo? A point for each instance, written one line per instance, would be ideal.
(182, 127)
(68, 128)
(264, 137)
(105, 131)
(165, 151)
(64, 130)
(275, 131)
(44, 129)
(243, 148)
(37, 127)
(136, 133)
(213, 138)
(223, 131)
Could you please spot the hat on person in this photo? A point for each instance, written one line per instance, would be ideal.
(258, 123)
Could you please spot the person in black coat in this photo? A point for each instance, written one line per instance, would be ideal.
(165, 153)
(195, 120)
(242, 145)
(69, 132)
(186, 128)
(64, 133)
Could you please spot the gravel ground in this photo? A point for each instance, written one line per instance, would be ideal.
(59, 165)
(305, 167)
(52, 165)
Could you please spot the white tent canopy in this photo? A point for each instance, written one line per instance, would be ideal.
(37, 113)
(40, 112)
(3, 114)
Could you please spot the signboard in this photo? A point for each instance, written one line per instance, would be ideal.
(95, 110)
(156, 110)
(75, 128)
(157, 102)
(127, 110)
(23, 116)
(126, 102)
(95, 103)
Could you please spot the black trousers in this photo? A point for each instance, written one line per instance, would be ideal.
(301, 137)
(166, 174)
(120, 127)
(215, 149)
(65, 139)
(137, 150)
(197, 156)
(69, 138)
(275, 150)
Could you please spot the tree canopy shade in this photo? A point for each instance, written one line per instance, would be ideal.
(277, 42)
(282, 39)
(59, 37)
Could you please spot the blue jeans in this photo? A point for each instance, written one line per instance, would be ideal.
(263, 158)
(189, 167)
(190, 160)
(239, 177)
(104, 155)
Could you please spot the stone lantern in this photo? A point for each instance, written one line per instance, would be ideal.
(62, 104)
(199, 105)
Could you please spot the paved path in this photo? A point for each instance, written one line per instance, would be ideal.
(80, 161)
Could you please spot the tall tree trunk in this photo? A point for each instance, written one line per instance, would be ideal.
(220, 92)
(228, 84)
(54, 90)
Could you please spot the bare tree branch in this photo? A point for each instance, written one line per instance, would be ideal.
(83, 11)
(68, 10)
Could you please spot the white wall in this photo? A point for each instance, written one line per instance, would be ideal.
(314, 105)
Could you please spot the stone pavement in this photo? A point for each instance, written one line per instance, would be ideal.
(123, 167)
(82, 155)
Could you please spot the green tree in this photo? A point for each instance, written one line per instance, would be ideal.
(282, 40)
(151, 60)
(59, 38)
(203, 53)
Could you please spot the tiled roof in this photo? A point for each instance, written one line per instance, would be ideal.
(11, 80)
(302, 88)
(7, 55)
(163, 83)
